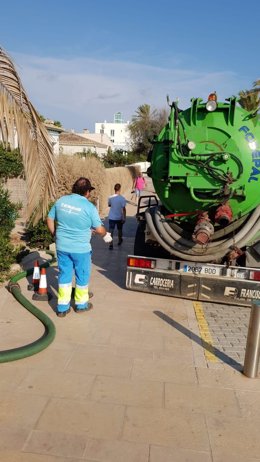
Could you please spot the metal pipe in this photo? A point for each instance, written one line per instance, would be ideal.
(253, 342)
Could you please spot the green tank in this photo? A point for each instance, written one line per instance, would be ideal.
(203, 158)
(205, 168)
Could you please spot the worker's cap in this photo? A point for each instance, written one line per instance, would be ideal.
(81, 186)
(89, 187)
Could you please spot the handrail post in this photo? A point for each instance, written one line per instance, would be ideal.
(253, 342)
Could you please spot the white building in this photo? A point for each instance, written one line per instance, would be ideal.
(117, 132)
(54, 134)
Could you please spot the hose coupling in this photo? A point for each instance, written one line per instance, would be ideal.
(223, 215)
(13, 285)
(203, 230)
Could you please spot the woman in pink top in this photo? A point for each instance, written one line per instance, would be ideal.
(139, 185)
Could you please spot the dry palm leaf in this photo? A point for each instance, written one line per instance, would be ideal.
(250, 99)
(19, 118)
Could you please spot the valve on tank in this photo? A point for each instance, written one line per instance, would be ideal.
(203, 230)
(223, 215)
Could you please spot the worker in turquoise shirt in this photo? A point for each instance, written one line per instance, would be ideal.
(71, 220)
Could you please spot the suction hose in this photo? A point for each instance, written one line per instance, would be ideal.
(176, 245)
(177, 232)
(212, 246)
(50, 331)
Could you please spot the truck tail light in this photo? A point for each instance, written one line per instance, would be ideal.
(141, 262)
(255, 275)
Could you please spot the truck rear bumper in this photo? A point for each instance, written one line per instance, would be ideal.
(174, 283)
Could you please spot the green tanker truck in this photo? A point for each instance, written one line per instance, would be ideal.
(198, 236)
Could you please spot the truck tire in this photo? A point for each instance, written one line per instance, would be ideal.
(142, 249)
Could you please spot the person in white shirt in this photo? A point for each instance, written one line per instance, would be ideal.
(117, 214)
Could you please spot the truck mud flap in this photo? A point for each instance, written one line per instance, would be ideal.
(153, 282)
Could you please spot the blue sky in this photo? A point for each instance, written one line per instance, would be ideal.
(82, 61)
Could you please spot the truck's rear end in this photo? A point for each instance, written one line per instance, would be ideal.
(198, 235)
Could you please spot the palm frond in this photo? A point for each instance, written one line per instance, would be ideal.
(18, 117)
(249, 99)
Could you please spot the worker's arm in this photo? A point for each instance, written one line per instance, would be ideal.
(51, 225)
(101, 230)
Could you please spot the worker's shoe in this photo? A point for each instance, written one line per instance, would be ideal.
(62, 314)
(88, 308)
(110, 247)
(120, 240)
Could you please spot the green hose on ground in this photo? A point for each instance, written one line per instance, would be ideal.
(50, 330)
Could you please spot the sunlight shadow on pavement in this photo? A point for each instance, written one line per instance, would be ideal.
(195, 338)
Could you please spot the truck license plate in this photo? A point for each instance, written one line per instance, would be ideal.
(209, 270)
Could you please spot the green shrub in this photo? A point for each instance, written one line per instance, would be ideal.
(120, 158)
(11, 163)
(38, 236)
(8, 215)
(7, 255)
(11, 166)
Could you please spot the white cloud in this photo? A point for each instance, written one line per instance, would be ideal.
(82, 91)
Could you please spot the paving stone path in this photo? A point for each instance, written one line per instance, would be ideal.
(126, 382)
(228, 326)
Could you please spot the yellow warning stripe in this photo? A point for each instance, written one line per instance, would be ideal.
(204, 332)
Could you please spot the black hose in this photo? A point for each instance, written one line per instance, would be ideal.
(50, 330)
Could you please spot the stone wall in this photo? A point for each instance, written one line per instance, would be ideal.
(17, 192)
(71, 169)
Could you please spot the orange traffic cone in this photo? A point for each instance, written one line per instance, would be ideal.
(36, 277)
(42, 293)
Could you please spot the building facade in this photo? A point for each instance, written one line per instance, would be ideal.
(54, 134)
(97, 137)
(117, 131)
(70, 143)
